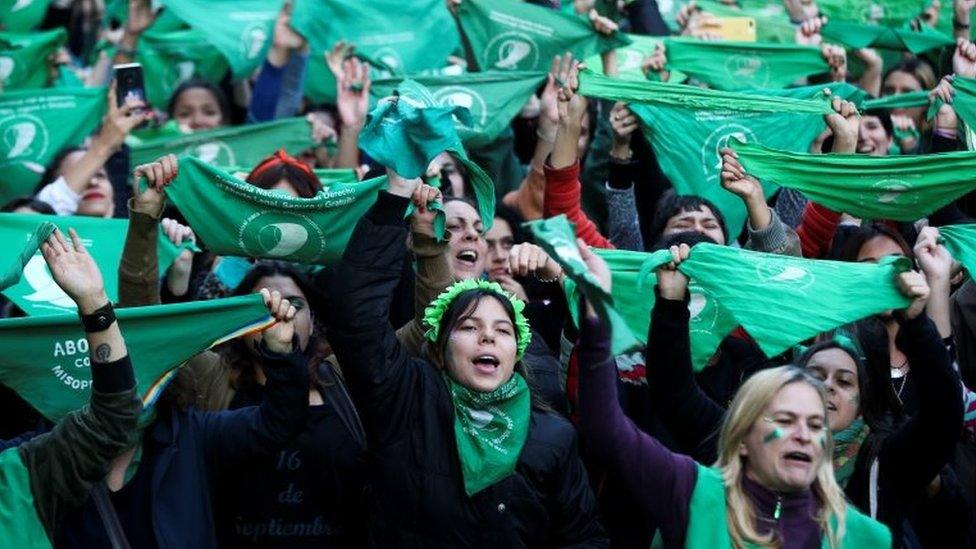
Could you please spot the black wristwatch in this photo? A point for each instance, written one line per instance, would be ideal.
(99, 320)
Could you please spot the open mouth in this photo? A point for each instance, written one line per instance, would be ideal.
(467, 256)
(801, 457)
(831, 407)
(486, 363)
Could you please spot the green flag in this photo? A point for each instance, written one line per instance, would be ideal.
(510, 35)
(708, 119)
(493, 98)
(236, 218)
(779, 300)
(744, 65)
(24, 58)
(22, 15)
(242, 30)
(899, 101)
(558, 238)
(231, 146)
(408, 37)
(36, 293)
(34, 241)
(901, 188)
(406, 135)
(35, 125)
(960, 240)
(857, 35)
(46, 360)
(170, 58)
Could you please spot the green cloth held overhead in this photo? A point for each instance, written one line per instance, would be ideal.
(35, 125)
(884, 12)
(900, 188)
(22, 15)
(406, 135)
(236, 218)
(558, 238)
(857, 35)
(963, 102)
(510, 35)
(899, 101)
(960, 240)
(843, 90)
(241, 30)
(23, 58)
(170, 58)
(36, 293)
(708, 119)
(779, 300)
(630, 57)
(409, 37)
(230, 146)
(493, 98)
(326, 176)
(46, 358)
(34, 241)
(738, 66)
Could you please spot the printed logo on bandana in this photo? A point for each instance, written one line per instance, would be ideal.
(21, 4)
(748, 67)
(281, 235)
(459, 96)
(24, 138)
(184, 70)
(711, 158)
(253, 39)
(491, 424)
(702, 309)
(512, 51)
(891, 191)
(7, 66)
(389, 57)
(73, 354)
(872, 13)
(215, 153)
(45, 290)
(783, 273)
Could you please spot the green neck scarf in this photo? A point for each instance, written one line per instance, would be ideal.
(902, 188)
(406, 135)
(490, 430)
(847, 443)
(709, 119)
(231, 146)
(779, 300)
(35, 125)
(744, 65)
(28, 282)
(510, 35)
(857, 36)
(380, 31)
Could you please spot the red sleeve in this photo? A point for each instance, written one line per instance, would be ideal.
(816, 230)
(563, 196)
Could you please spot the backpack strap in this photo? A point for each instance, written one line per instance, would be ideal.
(110, 520)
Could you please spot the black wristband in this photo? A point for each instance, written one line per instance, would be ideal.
(957, 25)
(99, 320)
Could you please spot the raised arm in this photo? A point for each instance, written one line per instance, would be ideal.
(268, 86)
(65, 462)
(660, 480)
(767, 232)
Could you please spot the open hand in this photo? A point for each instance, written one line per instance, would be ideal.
(74, 270)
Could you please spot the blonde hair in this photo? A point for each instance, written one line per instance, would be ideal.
(748, 406)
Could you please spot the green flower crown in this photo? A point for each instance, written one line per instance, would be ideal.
(435, 311)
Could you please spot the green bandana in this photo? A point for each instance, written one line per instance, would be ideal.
(434, 312)
(630, 57)
(843, 90)
(406, 135)
(34, 241)
(709, 119)
(19, 524)
(242, 30)
(233, 146)
(510, 35)
(407, 37)
(327, 176)
(857, 36)
(35, 125)
(236, 218)
(23, 58)
(37, 293)
(46, 361)
(899, 101)
(22, 16)
(902, 188)
(847, 444)
(493, 99)
(960, 240)
(490, 430)
(170, 58)
(963, 102)
(779, 300)
(886, 12)
(744, 65)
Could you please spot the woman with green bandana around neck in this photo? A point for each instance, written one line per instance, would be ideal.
(883, 465)
(459, 455)
(50, 474)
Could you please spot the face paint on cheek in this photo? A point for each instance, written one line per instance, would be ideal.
(775, 434)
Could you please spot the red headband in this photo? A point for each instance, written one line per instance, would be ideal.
(278, 158)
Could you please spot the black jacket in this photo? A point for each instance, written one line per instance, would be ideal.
(417, 492)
